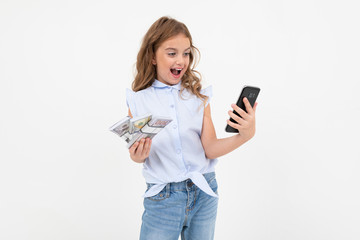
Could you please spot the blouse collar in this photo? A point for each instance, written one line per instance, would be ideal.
(158, 84)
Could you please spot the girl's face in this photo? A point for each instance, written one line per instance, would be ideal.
(172, 59)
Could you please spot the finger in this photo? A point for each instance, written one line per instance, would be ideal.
(133, 148)
(234, 125)
(255, 105)
(249, 109)
(237, 119)
(240, 111)
(147, 146)
(141, 147)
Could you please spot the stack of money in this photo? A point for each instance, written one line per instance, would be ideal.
(134, 129)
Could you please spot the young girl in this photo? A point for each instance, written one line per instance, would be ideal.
(178, 164)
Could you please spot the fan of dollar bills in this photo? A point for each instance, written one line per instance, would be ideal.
(134, 129)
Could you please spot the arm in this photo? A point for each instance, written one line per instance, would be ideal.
(215, 147)
(139, 151)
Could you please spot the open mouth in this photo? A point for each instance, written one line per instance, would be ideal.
(176, 71)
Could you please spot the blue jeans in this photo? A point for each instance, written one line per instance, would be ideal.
(180, 208)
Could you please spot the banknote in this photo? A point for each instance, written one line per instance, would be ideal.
(121, 127)
(137, 123)
(127, 137)
(159, 122)
(134, 129)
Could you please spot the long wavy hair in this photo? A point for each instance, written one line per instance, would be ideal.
(161, 30)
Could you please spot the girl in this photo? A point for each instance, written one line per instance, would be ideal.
(178, 164)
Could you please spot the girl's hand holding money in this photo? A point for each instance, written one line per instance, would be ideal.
(140, 150)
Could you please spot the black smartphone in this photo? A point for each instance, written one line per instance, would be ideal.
(251, 94)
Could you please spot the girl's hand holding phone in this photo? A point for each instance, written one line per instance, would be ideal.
(246, 123)
(140, 150)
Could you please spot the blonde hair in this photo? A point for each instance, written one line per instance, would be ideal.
(161, 30)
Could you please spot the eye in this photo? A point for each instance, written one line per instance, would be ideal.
(187, 54)
(171, 54)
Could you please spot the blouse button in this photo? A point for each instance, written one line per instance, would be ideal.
(178, 151)
(172, 105)
(174, 126)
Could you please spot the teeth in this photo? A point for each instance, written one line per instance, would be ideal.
(176, 71)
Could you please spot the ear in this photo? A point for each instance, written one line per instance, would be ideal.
(153, 61)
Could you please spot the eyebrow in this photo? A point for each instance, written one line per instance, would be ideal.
(174, 49)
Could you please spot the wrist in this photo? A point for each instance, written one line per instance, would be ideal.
(241, 139)
(137, 160)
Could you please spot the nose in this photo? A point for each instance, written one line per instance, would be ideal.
(180, 60)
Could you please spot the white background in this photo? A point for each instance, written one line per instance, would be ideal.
(64, 67)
